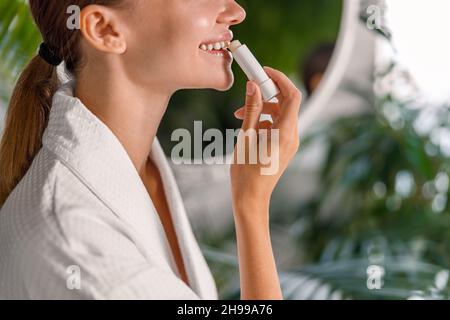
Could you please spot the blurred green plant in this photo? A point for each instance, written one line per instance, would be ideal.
(19, 39)
(383, 192)
(382, 202)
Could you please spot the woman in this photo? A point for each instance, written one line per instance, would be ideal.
(90, 208)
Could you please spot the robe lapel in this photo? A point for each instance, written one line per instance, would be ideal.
(200, 278)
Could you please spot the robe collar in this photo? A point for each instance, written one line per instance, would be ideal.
(94, 154)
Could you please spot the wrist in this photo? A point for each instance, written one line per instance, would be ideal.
(251, 211)
(248, 196)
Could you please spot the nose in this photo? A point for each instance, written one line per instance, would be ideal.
(232, 13)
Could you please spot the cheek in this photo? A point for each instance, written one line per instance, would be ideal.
(181, 40)
(187, 32)
(166, 47)
(202, 24)
(153, 49)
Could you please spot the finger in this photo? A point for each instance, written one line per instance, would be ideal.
(270, 108)
(265, 125)
(253, 106)
(286, 86)
(289, 94)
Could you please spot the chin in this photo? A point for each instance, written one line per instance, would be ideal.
(224, 84)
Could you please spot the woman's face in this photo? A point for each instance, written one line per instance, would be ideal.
(165, 38)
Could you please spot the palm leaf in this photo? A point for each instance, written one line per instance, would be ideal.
(19, 39)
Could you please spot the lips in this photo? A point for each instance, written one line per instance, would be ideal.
(217, 44)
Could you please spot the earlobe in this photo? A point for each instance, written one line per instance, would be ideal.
(100, 28)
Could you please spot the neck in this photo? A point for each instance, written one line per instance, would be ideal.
(131, 112)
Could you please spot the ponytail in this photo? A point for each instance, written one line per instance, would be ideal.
(31, 99)
(26, 120)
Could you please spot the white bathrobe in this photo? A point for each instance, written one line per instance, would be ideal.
(81, 224)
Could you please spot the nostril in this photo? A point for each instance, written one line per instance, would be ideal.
(238, 19)
(241, 15)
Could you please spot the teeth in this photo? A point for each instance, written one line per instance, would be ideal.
(214, 46)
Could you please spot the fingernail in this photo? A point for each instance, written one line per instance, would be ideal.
(250, 88)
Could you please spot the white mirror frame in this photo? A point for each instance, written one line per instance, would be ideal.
(338, 65)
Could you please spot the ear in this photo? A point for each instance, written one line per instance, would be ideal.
(102, 28)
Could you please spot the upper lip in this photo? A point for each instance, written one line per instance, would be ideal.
(224, 37)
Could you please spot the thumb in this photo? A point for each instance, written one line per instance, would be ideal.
(253, 106)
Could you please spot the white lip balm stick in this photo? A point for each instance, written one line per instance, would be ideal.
(254, 71)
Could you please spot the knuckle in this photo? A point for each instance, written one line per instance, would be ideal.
(295, 95)
(292, 144)
(285, 141)
(253, 107)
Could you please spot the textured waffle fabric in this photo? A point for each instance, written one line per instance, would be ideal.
(81, 224)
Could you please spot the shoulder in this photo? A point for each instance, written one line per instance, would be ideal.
(45, 203)
(50, 223)
(47, 191)
(51, 203)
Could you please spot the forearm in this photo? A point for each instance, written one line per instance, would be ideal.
(257, 268)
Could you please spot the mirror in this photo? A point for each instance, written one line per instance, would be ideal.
(350, 30)
(420, 38)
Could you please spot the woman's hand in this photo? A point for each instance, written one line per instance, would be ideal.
(248, 182)
(252, 189)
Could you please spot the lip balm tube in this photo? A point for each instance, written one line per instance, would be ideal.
(253, 70)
